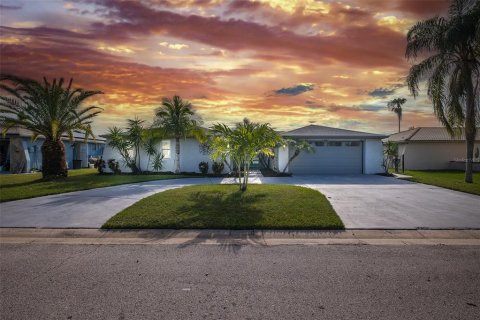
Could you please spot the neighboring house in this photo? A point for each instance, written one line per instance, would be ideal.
(18, 153)
(337, 151)
(190, 156)
(432, 148)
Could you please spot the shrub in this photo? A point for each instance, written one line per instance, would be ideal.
(114, 166)
(217, 167)
(203, 167)
(157, 163)
(99, 165)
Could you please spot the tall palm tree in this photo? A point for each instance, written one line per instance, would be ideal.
(48, 109)
(395, 105)
(175, 116)
(452, 69)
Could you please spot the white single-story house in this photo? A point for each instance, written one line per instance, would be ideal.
(337, 151)
(191, 155)
(18, 153)
(432, 148)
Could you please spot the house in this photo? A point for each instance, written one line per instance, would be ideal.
(337, 151)
(432, 148)
(18, 153)
(191, 154)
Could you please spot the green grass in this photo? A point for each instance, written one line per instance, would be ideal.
(225, 207)
(23, 186)
(447, 179)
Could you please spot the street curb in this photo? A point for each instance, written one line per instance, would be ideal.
(239, 237)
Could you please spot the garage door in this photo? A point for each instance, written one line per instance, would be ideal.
(332, 157)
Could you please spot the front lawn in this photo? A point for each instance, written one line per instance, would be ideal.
(447, 179)
(30, 185)
(225, 207)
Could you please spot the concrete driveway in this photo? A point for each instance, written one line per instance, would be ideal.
(84, 209)
(377, 202)
(362, 201)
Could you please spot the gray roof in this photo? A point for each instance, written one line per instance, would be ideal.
(315, 131)
(428, 134)
(77, 136)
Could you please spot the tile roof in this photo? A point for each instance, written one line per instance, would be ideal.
(315, 131)
(78, 136)
(427, 134)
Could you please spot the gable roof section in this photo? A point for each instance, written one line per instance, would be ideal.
(315, 131)
(427, 134)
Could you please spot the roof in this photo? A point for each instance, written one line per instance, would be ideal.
(428, 134)
(77, 135)
(315, 131)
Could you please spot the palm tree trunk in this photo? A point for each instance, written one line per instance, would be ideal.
(177, 155)
(54, 164)
(470, 131)
(290, 161)
(399, 123)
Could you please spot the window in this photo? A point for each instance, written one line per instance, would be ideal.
(319, 143)
(334, 143)
(166, 148)
(352, 143)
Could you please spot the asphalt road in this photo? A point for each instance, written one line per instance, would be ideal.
(228, 281)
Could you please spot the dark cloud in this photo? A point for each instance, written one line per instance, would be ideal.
(295, 90)
(10, 7)
(371, 107)
(381, 92)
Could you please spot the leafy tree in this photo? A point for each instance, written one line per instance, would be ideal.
(395, 105)
(47, 109)
(118, 140)
(451, 46)
(298, 147)
(242, 144)
(175, 116)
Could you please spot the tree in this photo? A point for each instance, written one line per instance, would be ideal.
(390, 151)
(242, 144)
(50, 110)
(175, 116)
(118, 139)
(395, 105)
(298, 147)
(451, 68)
(135, 134)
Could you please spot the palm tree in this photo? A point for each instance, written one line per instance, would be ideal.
(175, 116)
(395, 105)
(48, 109)
(298, 147)
(136, 135)
(452, 69)
(242, 144)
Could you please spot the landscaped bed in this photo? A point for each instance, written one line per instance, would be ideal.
(447, 179)
(23, 186)
(225, 207)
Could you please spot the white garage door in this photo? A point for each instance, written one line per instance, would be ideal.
(332, 157)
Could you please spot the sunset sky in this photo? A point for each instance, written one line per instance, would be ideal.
(289, 63)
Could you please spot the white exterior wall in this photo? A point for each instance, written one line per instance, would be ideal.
(282, 157)
(372, 156)
(190, 157)
(431, 155)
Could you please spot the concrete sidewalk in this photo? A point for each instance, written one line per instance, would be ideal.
(239, 237)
